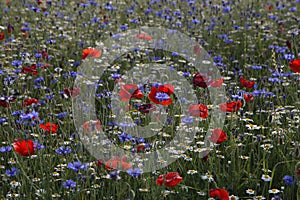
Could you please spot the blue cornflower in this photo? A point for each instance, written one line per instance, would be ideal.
(114, 175)
(289, 56)
(187, 120)
(161, 96)
(256, 67)
(38, 146)
(116, 76)
(5, 149)
(75, 166)
(135, 172)
(63, 150)
(38, 80)
(273, 80)
(289, 180)
(123, 27)
(38, 55)
(175, 54)
(12, 172)
(69, 184)
(2, 120)
(16, 63)
(62, 115)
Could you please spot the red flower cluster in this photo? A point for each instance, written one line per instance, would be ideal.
(28, 102)
(198, 110)
(218, 136)
(91, 52)
(29, 69)
(170, 179)
(295, 65)
(219, 194)
(231, 106)
(24, 147)
(203, 81)
(129, 91)
(246, 83)
(49, 127)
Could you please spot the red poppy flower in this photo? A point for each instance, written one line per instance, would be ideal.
(248, 97)
(218, 136)
(216, 83)
(24, 147)
(92, 125)
(129, 91)
(91, 52)
(161, 94)
(117, 163)
(1, 36)
(29, 69)
(231, 106)
(28, 102)
(49, 127)
(288, 44)
(143, 36)
(198, 110)
(73, 92)
(219, 193)
(247, 83)
(170, 179)
(295, 65)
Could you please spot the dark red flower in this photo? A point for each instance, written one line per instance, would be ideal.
(295, 65)
(200, 80)
(246, 83)
(219, 194)
(24, 147)
(91, 126)
(146, 108)
(218, 136)
(91, 52)
(73, 92)
(5, 101)
(49, 127)
(170, 179)
(248, 97)
(140, 148)
(28, 102)
(161, 94)
(1, 36)
(129, 91)
(203, 81)
(205, 158)
(29, 69)
(231, 106)
(288, 44)
(198, 110)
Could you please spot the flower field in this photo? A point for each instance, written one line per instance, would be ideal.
(150, 100)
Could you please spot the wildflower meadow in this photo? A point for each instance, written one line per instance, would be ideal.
(150, 99)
